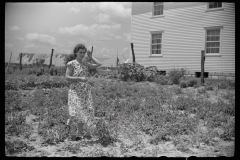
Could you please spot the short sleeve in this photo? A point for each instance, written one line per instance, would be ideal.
(70, 63)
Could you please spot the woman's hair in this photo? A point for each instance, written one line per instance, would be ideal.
(73, 55)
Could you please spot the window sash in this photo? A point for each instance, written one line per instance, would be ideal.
(213, 41)
(156, 43)
(157, 8)
(215, 5)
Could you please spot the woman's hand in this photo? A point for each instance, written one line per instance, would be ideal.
(89, 54)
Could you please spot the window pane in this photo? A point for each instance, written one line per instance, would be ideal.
(214, 5)
(217, 44)
(160, 7)
(161, 12)
(154, 41)
(208, 38)
(217, 32)
(217, 50)
(213, 50)
(210, 32)
(157, 3)
(208, 50)
(210, 4)
(159, 46)
(219, 4)
(156, 36)
(159, 51)
(215, 38)
(154, 51)
(154, 46)
(159, 40)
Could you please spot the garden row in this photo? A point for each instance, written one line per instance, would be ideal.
(126, 72)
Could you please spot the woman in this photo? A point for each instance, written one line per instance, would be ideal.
(79, 94)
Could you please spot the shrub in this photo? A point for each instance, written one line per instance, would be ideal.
(223, 85)
(176, 74)
(134, 72)
(192, 82)
(160, 79)
(183, 84)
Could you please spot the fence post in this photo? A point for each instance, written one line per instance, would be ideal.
(202, 66)
(20, 62)
(9, 62)
(51, 59)
(133, 55)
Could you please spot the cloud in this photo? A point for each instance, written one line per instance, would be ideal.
(101, 18)
(29, 46)
(75, 10)
(127, 36)
(14, 28)
(95, 31)
(73, 44)
(125, 49)
(117, 9)
(41, 38)
(8, 46)
(19, 38)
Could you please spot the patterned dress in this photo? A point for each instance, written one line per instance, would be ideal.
(79, 96)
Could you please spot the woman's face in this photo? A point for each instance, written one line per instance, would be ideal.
(81, 53)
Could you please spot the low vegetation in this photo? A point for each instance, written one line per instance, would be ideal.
(134, 101)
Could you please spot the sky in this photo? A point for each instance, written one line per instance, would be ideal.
(41, 27)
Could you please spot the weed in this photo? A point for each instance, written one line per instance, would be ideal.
(183, 84)
(192, 82)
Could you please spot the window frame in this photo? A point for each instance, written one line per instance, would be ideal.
(157, 16)
(156, 32)
(214, 9)
(220, 40)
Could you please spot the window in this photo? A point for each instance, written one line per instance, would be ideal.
(214, 5)
(156, 44)
(213, 41)
(213, 36)
(157, 8)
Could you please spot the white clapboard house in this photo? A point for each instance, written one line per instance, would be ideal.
(172, 35)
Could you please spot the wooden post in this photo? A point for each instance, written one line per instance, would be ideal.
(202, 66)
(133, 55)
(20, 62)
(9, 61)
(51, 59)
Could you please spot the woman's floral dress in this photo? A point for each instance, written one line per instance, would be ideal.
(79, 96)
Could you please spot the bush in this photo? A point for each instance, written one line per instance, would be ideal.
(160, 79)
(176, 74)
(133, 72)
(223, 85)
(192, 82)
(183, 84)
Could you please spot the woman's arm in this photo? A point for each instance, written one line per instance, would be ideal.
(90, 65)
(70, 78)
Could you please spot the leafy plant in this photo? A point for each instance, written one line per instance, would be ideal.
(176, 74)
(183, 84)
(192, 82)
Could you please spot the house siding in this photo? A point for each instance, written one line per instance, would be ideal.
(184, 35)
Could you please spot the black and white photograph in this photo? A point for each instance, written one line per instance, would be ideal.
(120, 79)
